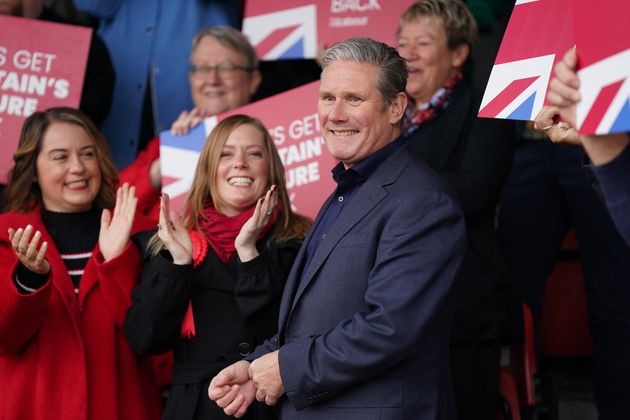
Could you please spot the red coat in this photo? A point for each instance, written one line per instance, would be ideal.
(137, 173)
(64, 356)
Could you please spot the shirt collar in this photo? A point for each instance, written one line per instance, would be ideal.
(361, 170)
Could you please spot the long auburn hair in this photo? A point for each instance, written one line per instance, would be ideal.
(22, 193)
(289, 224)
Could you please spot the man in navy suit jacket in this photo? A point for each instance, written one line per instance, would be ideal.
(366, 314)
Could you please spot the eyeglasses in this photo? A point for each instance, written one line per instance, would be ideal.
(224, 70)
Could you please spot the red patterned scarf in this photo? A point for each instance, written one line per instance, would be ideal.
(414, 118)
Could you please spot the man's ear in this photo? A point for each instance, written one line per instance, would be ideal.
(397, 108)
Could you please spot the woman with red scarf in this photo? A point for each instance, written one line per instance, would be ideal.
(474, 155)
(212, 291)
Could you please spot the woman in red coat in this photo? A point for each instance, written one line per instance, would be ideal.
(67, 268)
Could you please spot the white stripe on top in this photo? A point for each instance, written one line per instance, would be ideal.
(76, 256)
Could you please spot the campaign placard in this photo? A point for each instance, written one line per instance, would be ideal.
(603, 51)
(42, 65)
(291, 118)
(537, 35)
(292, 29)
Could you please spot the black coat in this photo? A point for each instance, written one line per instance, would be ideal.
(474, 155)
(235, 308)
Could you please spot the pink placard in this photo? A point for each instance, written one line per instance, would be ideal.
(537, 35)
(42, 64)
(602, 41)
(289, 29)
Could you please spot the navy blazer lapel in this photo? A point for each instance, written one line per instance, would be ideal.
(293, 280)
(367, 197)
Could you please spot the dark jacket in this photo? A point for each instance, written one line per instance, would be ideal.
(364, 327)
(235, 308)
(474, 155)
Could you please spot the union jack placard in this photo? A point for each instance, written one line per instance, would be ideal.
(538, 35)
(603, 49)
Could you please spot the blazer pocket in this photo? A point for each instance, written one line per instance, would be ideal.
(353, 239)
(371, 394)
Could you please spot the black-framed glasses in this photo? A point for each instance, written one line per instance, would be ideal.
(224, 70)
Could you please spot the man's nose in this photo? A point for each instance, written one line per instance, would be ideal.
(337, 112)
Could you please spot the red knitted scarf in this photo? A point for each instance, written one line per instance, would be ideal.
(219, 231)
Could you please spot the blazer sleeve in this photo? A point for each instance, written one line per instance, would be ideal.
(20, 314)
(268, 346)
(159, 302)
(614, 181)
(260, 284)
(420, 249)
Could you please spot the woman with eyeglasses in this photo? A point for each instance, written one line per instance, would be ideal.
(212, 291)
(223, 75)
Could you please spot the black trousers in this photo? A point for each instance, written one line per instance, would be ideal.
(475, 375)
(547, 194)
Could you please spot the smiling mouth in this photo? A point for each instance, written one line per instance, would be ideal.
(77, 185)
(240, 181)
(213, 94)
(344, 133)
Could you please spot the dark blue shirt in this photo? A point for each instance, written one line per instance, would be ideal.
(348, 183)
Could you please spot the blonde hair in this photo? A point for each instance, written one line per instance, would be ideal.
(458, 22)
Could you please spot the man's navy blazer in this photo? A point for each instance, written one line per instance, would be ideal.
(364, 330)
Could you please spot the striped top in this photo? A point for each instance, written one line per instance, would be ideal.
(75, 236)
(75, 263)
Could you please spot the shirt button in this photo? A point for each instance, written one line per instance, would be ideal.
(148, 30)
(340, 199)
(324, 236)
(244, 349)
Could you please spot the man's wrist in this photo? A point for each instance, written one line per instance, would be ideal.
(604, 149)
